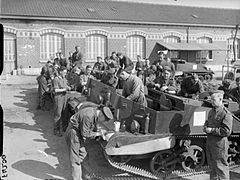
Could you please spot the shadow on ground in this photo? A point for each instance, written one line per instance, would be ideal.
(43, 123)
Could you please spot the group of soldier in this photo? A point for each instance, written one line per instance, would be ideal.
(65, 75)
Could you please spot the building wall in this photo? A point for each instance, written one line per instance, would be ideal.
(28, 38)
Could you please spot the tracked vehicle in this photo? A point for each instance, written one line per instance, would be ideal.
(168, 132)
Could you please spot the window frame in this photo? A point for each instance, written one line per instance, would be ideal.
(206, 40)
(54, 43)
(230, 48)
(135, 45)
(101, 46)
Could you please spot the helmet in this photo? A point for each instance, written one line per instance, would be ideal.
(135, 126)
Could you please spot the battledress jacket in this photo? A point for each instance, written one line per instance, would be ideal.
(84, 122)
(220, 119)
(133, 89)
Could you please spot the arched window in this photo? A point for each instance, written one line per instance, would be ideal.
(136, 46)
(173, 39)
(206, 40)
(9, 52)
(51, 43)
(230, 48)
(96, 45)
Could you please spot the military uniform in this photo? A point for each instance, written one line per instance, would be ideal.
(82, 126)
(42, 91)
(59, 100)
(160, 64)
(133, 89)
(126, 62)
(220, 119)
(83, 81)
(188, 86)
(77, 59)
(166, 84)
(98, 69)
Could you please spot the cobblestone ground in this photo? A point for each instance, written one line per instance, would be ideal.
(32, 152)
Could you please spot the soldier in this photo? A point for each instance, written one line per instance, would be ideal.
(110, 78)
(98, 68)
(125, 62)
(77, 58)
(166, 83)
(133, 88)
(81, 128)
(191, 87)
(115, 59)
(64, 61)
(164, 61)
(234, 94)
(60, 88)
(43, 90)
(139, 64)
(218, 127)
(84, 78)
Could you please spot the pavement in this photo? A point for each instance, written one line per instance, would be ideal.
(31, 150)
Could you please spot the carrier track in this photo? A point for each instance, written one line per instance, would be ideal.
(136, 173)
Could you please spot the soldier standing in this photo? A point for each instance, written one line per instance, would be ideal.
(60, 88)
(218, 127)
(77, 58)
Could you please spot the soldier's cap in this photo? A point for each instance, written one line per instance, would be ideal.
(162, 52)
(216, 91)
(167, 68)
(107, 112)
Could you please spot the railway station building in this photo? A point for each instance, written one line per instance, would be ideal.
(35, 30)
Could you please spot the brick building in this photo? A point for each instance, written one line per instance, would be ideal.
(34, 30)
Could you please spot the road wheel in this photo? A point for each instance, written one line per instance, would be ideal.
(160, 162)
(194, 158)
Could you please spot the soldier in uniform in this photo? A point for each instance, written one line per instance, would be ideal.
(77, 58)
(133, 88)
(115, 59)
(218, 127)
(60, 87)
(43, 90)
(98, 68)
(164, 61)
(110, 78)
(125, 62)
(84, 78)
(81, 128)
(191, 87)
(234, 94)
(166, 83)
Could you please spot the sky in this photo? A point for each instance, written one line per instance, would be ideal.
(227, 4)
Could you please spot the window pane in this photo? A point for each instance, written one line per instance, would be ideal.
(135, 46)
(205, 40)
(96, 46)
(230, 48)
(9, 48)
(50, 44)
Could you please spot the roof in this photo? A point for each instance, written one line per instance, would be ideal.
(117, 12)
(192, 46)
